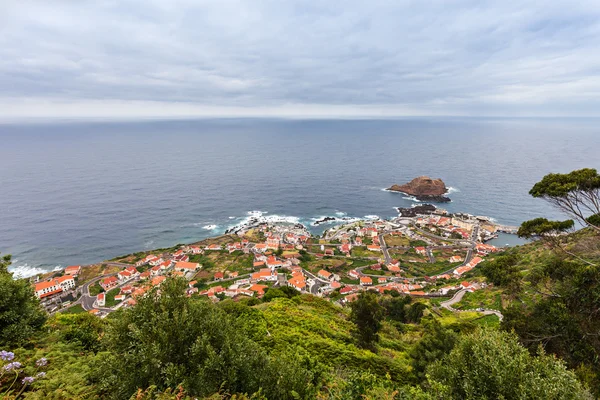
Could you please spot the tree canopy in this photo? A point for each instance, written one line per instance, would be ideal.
(577, 194)
(367, 314)
(20, 312)
(489, 364)
(169, 340)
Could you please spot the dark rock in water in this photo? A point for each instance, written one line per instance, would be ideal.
(326, 219)
(424, 188)
(434, 199)
(424, 209)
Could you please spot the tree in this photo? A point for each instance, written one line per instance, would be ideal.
(551, 232)
(503, 271)
(367, 315)
(564, 318)
(577, 194)
(436, 342)
(169, 340)
(415, 312)
(489, 364)
(395, 306)
(20, 312)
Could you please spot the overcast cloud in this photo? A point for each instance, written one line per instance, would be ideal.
(176, 58)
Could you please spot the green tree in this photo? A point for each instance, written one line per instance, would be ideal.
(563, 318)
(169, 340)
(366, 314)
(436, 342)
(395, 306)
(20, 312)
(489, 364)
(577, 194)
(552, 233)
(415, 312)
(503, 271)
(84, 329)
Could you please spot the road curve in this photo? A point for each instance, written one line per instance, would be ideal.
(458, 297)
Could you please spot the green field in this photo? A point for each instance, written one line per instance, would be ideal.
(76, 309)
(110, 297)
(96, 289)
(486, 298)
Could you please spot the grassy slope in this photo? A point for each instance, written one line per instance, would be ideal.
(320, 328)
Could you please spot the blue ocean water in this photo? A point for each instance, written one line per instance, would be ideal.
(77, 193)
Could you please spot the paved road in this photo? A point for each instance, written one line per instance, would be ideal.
(87, 300)
(458, 297)
(317, 282)
(430, 255)
(384, 248)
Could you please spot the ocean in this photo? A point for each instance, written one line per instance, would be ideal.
(78, 193)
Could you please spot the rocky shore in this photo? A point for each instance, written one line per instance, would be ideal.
(424, 209)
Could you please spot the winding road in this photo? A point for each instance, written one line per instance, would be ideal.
(458, 297)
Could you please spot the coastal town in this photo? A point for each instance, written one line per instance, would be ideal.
(429, 255)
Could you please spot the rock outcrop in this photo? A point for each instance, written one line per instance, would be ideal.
(424, 188)
(423, 209)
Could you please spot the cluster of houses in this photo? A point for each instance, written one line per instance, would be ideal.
(56, 286)
(275, 260)
(467, 267)
(448, 225)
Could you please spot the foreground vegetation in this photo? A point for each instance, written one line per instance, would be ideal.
(292, 346)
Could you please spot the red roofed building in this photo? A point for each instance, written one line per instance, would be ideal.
(324, 274)
(298, 282)
(157, 280)
(259, 289)
(421, 250)
(346, 290)
(273, 242)
(73, 270)
(273, 262)
(366, 281)
(354, 274)
(109, 282)
(124, 276)
(46, 289)
(455, 259)
(219, 276)
(265, 274)
(101, 300)
(394, 268)
(185, 266)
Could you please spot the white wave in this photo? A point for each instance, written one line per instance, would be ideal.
(340, 213)
(372, 217)
(148, 244)
(452, 190)
(210, 227)
(231, 217)
(316, 221)
(257, 217)
(392, 191)
(412, 198)
(26, 270)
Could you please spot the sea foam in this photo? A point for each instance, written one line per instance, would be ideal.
(25, 270)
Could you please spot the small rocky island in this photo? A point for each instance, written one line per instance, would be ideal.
(424, 188)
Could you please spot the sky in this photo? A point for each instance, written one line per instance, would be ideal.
(297, 58)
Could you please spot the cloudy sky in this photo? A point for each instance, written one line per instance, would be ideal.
(311, 58)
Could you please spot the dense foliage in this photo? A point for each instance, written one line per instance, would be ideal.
(492, 365)
(20, 313)
(169, 340)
